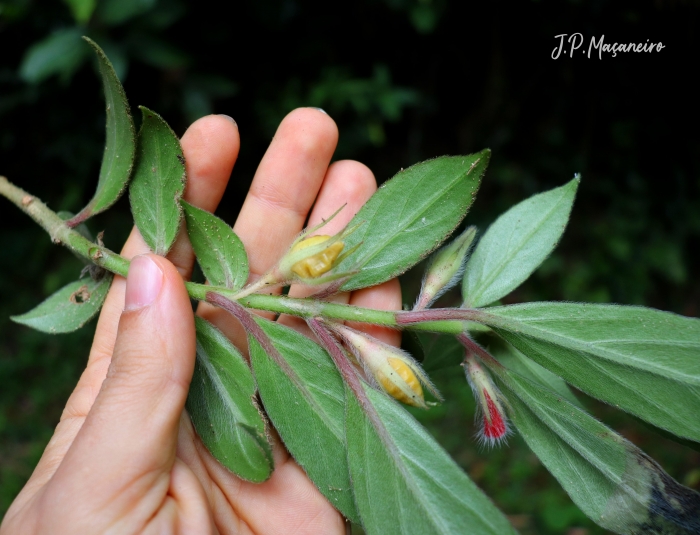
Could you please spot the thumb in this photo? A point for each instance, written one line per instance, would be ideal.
(130, 434)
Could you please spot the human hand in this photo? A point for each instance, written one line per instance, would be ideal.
(125, 457)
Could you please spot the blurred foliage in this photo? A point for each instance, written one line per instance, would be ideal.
(405, 80)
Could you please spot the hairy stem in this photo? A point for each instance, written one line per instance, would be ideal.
(60, 232)
(448, 321)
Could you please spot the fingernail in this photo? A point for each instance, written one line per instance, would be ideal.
(319, 109)
(143, 283)
(229, 118)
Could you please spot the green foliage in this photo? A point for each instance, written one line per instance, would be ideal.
(219, 251)
(61, 53)
(624, 247)
(641, 360)
(159, 180)
(69, 308)
(410, 216)
(120, 144)
(516, 244)
(611, 480)
(222, 406)
(303, 396)
(404, 481)
(82, 9)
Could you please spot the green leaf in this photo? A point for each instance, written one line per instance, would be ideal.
(306, 405)
(81, 9)
(120, 146)
(220, 253)
(516, 244)
(223, 409)
(158, 183)
(405, 483)
(644, 361)
(612, 481)
(410, 216)
(112, 12)
(514, 360)
(69, 308)
(60, 53)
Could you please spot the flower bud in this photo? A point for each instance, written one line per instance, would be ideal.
(388, 367)
(490, 404)
(445, 268)
(317, 264)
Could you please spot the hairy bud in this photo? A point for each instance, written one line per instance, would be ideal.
(388, 367)
(491, 412)
(445, 268)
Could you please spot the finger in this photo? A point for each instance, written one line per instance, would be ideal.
(298, 505)
(285, 186)
(186, 507)
(352, 182)
(283, 190)
(210, 146)
(128, 440)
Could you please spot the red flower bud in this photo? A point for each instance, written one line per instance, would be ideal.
(491, 412)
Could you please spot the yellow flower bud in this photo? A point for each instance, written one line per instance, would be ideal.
(407, 376)
(388, 367)
(315, 265)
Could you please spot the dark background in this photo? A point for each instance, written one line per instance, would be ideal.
(405, 80)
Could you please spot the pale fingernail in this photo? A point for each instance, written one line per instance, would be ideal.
(229, 118)
(320, 109)
(143, 283)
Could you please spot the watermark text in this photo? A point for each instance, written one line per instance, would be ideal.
(575, 41)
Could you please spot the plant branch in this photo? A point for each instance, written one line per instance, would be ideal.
(448, 321)
(60, 232)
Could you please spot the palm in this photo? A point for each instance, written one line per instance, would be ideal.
(194, 490)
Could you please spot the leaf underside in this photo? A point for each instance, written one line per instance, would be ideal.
(307, 410)
(221, 404)
(617, 485)
(641, 360)
(405, 483)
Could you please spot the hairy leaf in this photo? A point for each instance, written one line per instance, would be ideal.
(120, 145)
(158, 183)
(644, 361)
(514, 360)
(305, 403)
(222, 406)
(69, 308)
(612, 481)
(404, 482)
(410, 216)
(220, 253)
(516, 244)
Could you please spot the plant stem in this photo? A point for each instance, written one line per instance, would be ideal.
(60, 232)
(448, 321)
